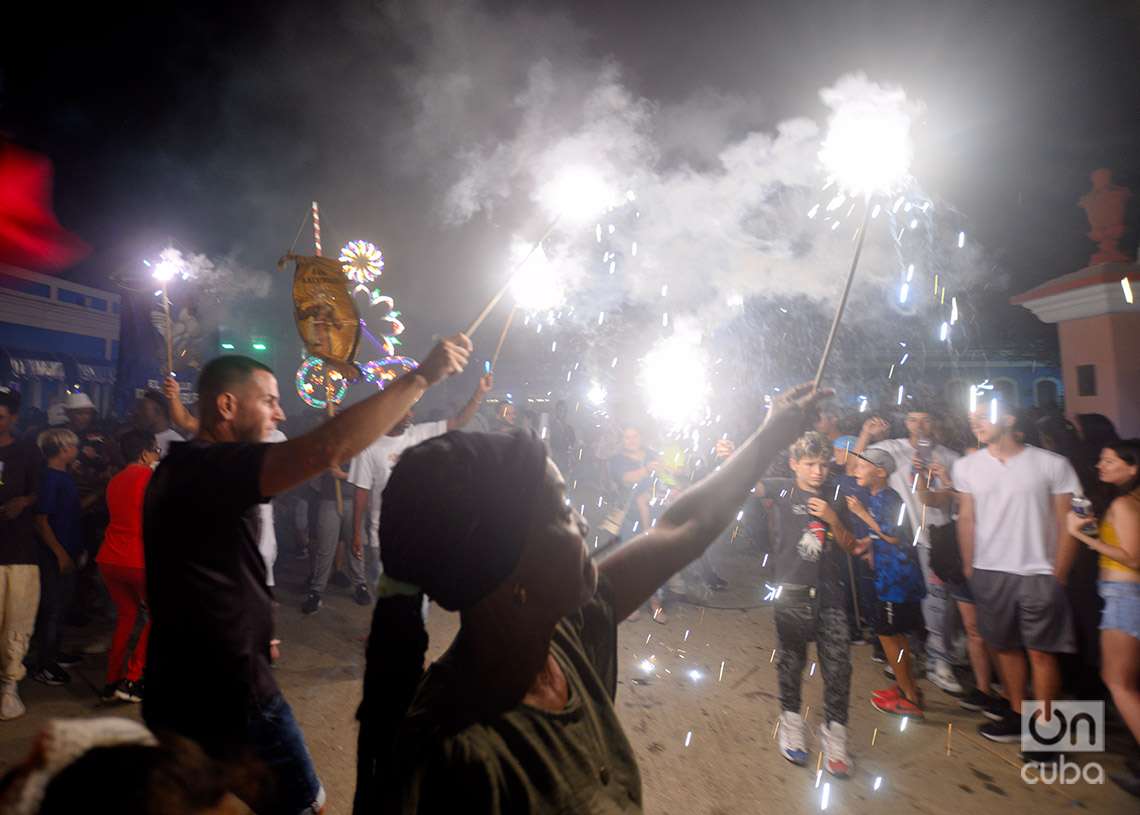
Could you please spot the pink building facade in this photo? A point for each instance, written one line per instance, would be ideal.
(1099, 333)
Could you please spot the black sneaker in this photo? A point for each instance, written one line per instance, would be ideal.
(889, 672)
(129, 691)
(311, 604)
(1039, 756)
(1006, 729)
(340, 580)
(109, 693)
(976, 701)
(879, 655)
(67, 660)
(997, 709)
(52, 675)
(362, 596)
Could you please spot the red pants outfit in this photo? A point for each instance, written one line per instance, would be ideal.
(127, 588)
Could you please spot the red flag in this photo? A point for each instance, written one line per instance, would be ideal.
(30, 236)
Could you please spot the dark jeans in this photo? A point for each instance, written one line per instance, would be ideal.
(277, 741)
(56, 591)
(798, 622)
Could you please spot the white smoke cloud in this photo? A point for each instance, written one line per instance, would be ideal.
(503, 102)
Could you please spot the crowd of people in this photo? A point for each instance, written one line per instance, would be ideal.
(981, 560)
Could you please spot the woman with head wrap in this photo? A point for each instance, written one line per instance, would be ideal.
(517, 715)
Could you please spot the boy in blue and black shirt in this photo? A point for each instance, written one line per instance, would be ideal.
(898, 577)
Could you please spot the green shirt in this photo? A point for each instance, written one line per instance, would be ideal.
(527, 760)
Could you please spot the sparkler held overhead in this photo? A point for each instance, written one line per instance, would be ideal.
(867, 152)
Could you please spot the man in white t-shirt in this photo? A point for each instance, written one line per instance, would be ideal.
(369, 473)
(1017, 554)
(919, 444)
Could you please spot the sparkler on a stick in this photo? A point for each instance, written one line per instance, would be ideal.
(164, 272)
(576, 194)
(867, 152)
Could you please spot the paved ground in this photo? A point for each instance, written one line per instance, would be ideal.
(729, 763)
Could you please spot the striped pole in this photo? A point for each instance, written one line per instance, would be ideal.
(317, 227)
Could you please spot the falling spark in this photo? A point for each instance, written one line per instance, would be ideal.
(646, 666)
(961, 239)
(812, 671)
(949, 733)
(900, 656)
(914, 223)
(944, 332)
(905, 357)
(773, 657)
(902, 514)
(633, 249)
(601, 317)
(917, 533)
(862, 404)
(825, 798)
(553, 348)
(613, 266)
(878, 783)
(1126, 284)
(953, 310)
(665, 320)
(904, 292)
(818, 776)
(764, 562)
(614, 363)
(901, 388)
(665, 290)
(913, 490)
(720, 677)
(686, 637)
(696, 675)
(648, 637)
(902, 724)
(993, 410)
(813, 211)
(891, 372)
(910, 273)
(876, 210)
(688, 738)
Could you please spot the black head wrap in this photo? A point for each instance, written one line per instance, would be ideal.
(456, 512)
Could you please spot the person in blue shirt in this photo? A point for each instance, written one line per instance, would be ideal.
(59, 526)
(898, 577)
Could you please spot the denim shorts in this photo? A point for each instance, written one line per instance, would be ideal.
(1121, 606)
(277, 740)
(960, 592)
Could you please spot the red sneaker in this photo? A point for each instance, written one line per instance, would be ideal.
(897, 706)
(893, 692)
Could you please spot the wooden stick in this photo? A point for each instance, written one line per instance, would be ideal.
(169, 331)
(503, 337)
(494, 301)
(846, 291)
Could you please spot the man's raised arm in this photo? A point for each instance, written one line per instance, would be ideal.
(340, 438)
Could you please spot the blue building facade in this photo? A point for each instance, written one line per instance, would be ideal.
(57, 336)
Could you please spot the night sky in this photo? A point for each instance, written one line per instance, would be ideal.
(216, 124)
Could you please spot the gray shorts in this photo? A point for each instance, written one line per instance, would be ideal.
(1023, 611)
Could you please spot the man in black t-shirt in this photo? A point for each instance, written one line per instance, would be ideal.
(208, 669)
(810, 598)
(20, 465)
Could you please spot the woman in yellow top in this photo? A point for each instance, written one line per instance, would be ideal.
(1119, 584)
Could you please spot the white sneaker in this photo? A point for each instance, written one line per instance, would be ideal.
(11, 707)
(834, 743)
(791, 738)
(942, 675)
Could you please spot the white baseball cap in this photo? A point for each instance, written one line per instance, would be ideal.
(78, 401)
